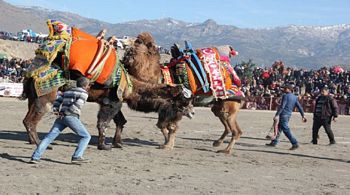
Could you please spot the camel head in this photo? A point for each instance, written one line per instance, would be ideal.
(183, 100)
(142, 59)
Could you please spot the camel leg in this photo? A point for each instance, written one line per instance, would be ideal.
(162, 124)
(218, 142)
(104, 117)
(219, 109)
(165, 134)
(28, 124)
(234, 131)
(119, 121)
(172, 128)
(235, 136)
(234, 128)
(238, 129)
(36, 110)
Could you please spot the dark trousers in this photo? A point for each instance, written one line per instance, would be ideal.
(326, 123)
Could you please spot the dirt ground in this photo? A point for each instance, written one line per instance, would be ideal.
(192, 167)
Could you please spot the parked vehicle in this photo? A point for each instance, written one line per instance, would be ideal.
(7, 36)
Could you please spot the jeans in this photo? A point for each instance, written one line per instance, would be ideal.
(59, 125)
(283, 126)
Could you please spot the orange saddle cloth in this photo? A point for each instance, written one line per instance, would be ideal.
(83, 51)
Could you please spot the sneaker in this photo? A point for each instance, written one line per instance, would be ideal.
(294, 147)
(270, 144)
(34, 161)
(79, 160)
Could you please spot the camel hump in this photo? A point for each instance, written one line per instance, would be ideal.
(145, 38)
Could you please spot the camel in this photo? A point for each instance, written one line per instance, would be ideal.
(227, 108)
(146, 97)
(135, 61)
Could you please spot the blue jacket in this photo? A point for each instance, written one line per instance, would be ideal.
(289, 102)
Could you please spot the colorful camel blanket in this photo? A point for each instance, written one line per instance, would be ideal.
(46, 77)
(212, 66)
(48, 80)
(167, 78)
(224, 82)
(94, 58)
(121, 79)
(225, 62)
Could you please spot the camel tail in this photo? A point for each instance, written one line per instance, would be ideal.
(27, 86)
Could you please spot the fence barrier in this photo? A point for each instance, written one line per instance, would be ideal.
(11, 89)
(272, 103)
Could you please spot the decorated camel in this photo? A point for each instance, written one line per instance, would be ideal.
(134, 61)
(70, 53)
(210, 77)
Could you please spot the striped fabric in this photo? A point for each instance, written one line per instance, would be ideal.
(71, 101)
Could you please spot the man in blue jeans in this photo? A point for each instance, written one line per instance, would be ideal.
(284, 112)
(68, 108)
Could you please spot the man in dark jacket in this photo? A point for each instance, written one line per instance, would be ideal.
(68, 109)
(326, 109)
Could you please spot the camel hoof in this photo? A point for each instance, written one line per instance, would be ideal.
(118, 145)
(216, 143)
(32, 142)
(104, 147)
(224, 151)
(165, 147)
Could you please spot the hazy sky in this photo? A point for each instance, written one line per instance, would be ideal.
(241, 13)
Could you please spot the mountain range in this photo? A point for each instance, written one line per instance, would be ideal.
(300, 46)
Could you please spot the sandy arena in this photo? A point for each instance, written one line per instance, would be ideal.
(192, 167)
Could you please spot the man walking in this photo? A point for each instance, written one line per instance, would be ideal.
(68, 108)
(284, 112)
(326, 109)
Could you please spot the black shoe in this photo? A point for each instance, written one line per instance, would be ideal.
(332, 143)
(270, 144)
(79, 160)
(314, 142)
(294, 147)
(34, 161)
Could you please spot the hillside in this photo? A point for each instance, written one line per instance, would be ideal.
(302, 46)
(16, 49)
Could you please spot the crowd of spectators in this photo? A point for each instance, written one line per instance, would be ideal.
(13, 70)
(267, 82)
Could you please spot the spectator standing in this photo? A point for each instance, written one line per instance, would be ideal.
(284, 112)
(326, 110)
(68, 108)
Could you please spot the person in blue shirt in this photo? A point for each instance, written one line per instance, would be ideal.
(284, 112)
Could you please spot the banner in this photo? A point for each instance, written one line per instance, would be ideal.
(11, 89)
